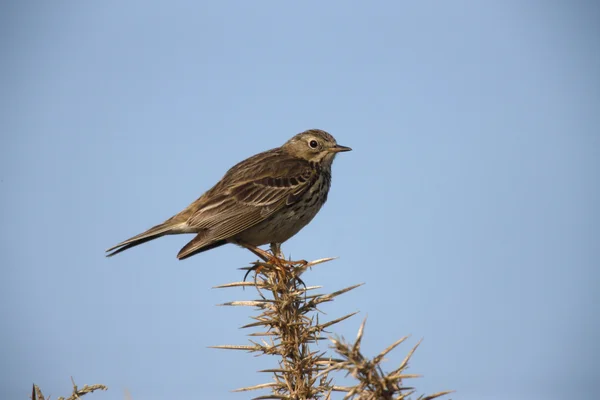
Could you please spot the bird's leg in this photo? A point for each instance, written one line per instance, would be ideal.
(278, 257)
(260, 253)
(276, 250)
(264, 255)
(267, 257)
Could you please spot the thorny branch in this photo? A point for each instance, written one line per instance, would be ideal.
(289, 321)
(36, 393)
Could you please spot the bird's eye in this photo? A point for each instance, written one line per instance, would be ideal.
(313, 144)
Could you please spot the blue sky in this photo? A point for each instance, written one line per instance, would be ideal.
(469, 205)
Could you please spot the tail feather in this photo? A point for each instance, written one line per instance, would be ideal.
(198, 244)
(152, 233)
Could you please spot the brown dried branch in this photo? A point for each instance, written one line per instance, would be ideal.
(373, 383)
(290, 324)
(36, 393)
(289, 329)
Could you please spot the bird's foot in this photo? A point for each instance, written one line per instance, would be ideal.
(268, 258)
(273, 259)
(260, 253)
(280, 258)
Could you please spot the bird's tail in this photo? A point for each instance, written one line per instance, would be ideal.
(166, 228)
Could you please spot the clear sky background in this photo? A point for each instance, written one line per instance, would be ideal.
(469, 205)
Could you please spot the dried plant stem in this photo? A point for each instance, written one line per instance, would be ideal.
(285, 306)
(36, 393)
(290, 327)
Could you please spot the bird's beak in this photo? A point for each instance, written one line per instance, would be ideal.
(338, 149)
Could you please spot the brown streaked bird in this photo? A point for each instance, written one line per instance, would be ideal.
(265, 199)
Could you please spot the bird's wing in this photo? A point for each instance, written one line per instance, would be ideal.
(244, 201)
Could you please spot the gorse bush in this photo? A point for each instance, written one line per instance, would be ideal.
(288, 319)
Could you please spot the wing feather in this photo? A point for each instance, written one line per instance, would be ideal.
(240, 202)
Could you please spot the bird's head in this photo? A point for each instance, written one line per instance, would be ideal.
(314, 145)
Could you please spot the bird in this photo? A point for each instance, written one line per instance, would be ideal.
(265, 199)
